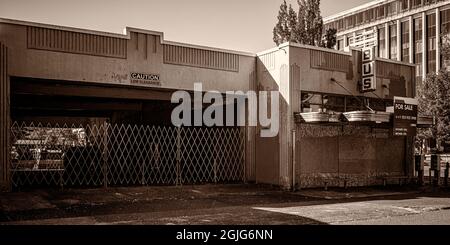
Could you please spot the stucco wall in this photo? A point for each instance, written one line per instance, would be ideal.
(273, 75)
(267, 161)
(68, 54)
(144, 54)
(361, 153)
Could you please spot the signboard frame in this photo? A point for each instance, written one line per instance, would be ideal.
(405, 117)
(368, 72)
(145, 79)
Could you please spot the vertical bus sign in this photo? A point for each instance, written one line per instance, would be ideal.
(369, 81)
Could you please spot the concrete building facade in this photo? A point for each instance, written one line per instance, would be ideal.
(314, 153)
(55, 73)
(403, 30)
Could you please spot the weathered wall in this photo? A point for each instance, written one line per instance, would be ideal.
(273, 154)
(394, 78)
(359, 153)
(4, 119)
(267, 161)
(68, 54)
(319, 79)
(293, 68)
(398, 79)
(61, 53)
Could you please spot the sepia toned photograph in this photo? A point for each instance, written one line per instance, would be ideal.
(219, 120)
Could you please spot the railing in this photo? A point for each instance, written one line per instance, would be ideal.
(124, 155)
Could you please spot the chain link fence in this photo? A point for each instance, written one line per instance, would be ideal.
(95, 155)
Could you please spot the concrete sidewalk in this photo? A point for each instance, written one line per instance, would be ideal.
(207, 204)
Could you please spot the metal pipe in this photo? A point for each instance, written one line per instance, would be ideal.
(348, 91)
(293, 159)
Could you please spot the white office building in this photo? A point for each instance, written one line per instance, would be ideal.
(402, 30)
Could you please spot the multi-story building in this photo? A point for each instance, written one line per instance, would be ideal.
(402, 30)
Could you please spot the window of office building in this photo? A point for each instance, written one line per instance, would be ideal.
(416, 3)
(341, 24)
(381, 43)
(340, 44)
(418, 47)
(431, 43)
(359, 18)
(350, 21)
(445, 29)
(369, 15)
(405, 41)
(393, 42)
(445, 21)
(404, 5)
(392, 8)
(380, 12)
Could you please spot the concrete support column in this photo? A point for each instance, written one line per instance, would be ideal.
(5, 148)
(411, 40)
(284, 135)
(438, 39)
(387, 41)
(399, 40)
(424, 45)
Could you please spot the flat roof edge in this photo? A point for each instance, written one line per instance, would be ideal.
(395, 62)
(357, 8)
(297, 45)
(125, 35)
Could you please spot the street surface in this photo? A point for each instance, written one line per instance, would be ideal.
(227, 205)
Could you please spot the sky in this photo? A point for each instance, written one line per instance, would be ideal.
(243, 25)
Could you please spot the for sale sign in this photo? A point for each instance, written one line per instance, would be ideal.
(405, 116)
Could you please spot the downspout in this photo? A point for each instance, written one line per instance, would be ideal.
(293, 160)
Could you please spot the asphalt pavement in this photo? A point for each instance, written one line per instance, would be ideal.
(226, 205)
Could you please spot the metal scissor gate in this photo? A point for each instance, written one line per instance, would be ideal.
(124, 155)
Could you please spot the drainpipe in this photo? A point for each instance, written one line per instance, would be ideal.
(293, 159)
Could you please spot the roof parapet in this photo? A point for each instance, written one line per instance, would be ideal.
(125, 35)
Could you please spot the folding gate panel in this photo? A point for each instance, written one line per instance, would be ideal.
(123, 155)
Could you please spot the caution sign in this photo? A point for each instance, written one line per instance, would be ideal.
(405, 116)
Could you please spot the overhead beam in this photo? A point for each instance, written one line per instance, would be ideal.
(82, 89)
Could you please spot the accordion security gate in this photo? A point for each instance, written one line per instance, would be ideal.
(124, 155)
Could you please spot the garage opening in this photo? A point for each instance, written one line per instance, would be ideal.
(77, 134)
